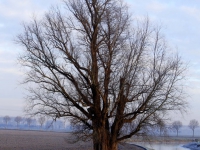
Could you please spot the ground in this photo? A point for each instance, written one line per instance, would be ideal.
(40, 140)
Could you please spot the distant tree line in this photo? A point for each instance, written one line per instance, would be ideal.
(176, 126)
(40, 123)
(43, 123)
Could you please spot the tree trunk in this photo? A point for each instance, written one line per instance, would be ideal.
(101, 140)
(100, 145)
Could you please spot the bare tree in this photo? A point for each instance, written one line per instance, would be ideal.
(18, 119)
(29, 121)
(193, 125)
(177, 125)
(161, 127)
(41, 121)
(101, 69)
(6, 119)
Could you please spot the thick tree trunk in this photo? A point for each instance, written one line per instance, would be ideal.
(100, 145)
(101, 140)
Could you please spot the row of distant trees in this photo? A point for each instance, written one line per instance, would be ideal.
(177, 125)
(28, 121)
(193, 124)
(19, 119)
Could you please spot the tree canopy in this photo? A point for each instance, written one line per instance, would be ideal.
(112, 75)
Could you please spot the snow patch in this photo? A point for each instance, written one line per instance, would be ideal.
(192, 146)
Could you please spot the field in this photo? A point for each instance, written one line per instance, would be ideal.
(40, 140)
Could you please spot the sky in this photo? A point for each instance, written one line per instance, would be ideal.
(180, 21)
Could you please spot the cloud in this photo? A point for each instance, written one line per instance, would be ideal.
(8, 61)
(191, 11)
(157, 6)
(16, 9)
(10, 71)
(24, 10)
(13, 13)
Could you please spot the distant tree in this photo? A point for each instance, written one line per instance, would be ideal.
(6, 120)
(161, 126)
(41, 121)
(193, 125)
(177, 125)
(18, 119)
(28, 121)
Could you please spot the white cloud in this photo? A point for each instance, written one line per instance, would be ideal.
(16, 9)
(12, 106)
(24, 10)
(192, 11)
(156, 6)
(10, 71)
(8, 60)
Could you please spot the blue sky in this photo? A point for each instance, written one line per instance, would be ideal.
(180, 20)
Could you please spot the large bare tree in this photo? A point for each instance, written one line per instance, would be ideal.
(114, 76)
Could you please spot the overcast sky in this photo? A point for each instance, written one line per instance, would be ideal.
(180, 20)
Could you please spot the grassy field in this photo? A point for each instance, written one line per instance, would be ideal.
(40, 140)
